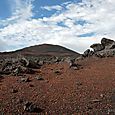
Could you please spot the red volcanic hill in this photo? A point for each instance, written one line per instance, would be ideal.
(44, 50)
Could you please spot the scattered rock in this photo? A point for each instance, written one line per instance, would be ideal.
(32, 108)
(113, 97)
(25, 79)
(95, 101)
(21, 69)
(14, 91)
(40, 62)
(31, 85)
(24, 62)
(74, 66)
(101, 95)
(20, 100)
(57, 72)
(89, 107)
(29, 63)
(16, 71)
(79, 58)
(78, 83)
(1, 76)
(57, 60)
(39, 78)
(111, 112)
(7, 68)
(30, 71)
(33, 64)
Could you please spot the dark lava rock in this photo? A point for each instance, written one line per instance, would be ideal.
(88, 53)
(113, 97)
(111, 112)
(39, 78)
(29, 63)
(97, 47)
(95, 101)
(57, 72)
(32, 108)
(74, 65)
(112, 46)
(105, 53)
(22, 69)
(78, 83)
(24, 62)
(40, 62)
(1, 77)
(25, 79)
(31, 85)
(14, 91)
(106, 42)
(7, 68)
(30, 71)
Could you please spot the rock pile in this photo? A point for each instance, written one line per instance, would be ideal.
(104, 49)
(74, 65)
(32, 108)
(19, 66)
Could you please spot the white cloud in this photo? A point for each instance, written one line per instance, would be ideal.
(3, 45)
(21, 10)
(49, 8)
(98, 17)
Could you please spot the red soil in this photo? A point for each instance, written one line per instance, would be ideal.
(88, 91)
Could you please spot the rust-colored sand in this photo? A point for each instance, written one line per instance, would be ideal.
(88, 91)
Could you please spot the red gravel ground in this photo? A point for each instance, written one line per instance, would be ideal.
(88, 91)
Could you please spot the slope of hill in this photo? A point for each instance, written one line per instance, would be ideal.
(44, 50)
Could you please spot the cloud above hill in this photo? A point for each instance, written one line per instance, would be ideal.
(74, 25)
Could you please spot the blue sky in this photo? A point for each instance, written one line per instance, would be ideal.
(40, 3)
(75, 24)
(4, 9)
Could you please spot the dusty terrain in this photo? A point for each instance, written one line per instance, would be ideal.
(62, 90)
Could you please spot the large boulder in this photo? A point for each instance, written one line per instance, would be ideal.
(106, 42)
(105, 53)
(23, 70)
(32, 108)
(29, 63)
(110, 46)
(88, 53)
(97, 47)
(24, 62)
(7, 67)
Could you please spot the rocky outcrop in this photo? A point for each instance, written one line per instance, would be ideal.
(88, 53)
(106, 42)
(105, 53)
(105, 49)
(97, 47)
